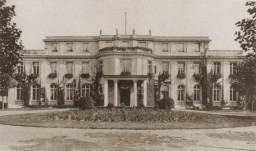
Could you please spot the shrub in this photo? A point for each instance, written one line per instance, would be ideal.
(86, 103)
(85, 75)
(68, 75)
(181, 75)
(52, 75)
(110, 105)
(166, 103)
(150, 75)
(215, 77)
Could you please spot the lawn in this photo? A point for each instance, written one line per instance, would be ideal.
(127, 119)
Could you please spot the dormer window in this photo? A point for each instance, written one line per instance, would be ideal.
(70, 47)
(86, 47)
(54, 47)
(180, 47)
(165, 47)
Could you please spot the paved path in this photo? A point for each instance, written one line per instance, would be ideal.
(26, 111)
(62, 139)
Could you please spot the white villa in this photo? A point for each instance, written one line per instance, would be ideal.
(126, 61)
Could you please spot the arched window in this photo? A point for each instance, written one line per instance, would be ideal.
(69, 92)
(54, 91)
(181, 93)
(197, 92)
(86, 90)
(216, 93)
(19, 92)
(233, 94)
(35, 92)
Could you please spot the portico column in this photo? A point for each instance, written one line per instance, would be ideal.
(105, 92)
(135, 92)
(145, 93)
(115, 92)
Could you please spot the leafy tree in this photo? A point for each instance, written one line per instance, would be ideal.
(244, 79)
(26, 82)
(9, 44)
(247, 29)
(97, 97)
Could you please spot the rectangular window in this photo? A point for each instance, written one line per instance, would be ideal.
(35, 67)
(125, 44)
(181, 68)
(233, 94)
(86, 47)
(69, 67)
(100, 66)
(85, 67)
(216, 68)
(180, 47)
(165, 66)
(143, 44)
(53, 67)
(233, 66)
(20, 67)
(196, 47)
(165, 47)
(54, 47)
(126, 65)
(196, 68)
(155, 69)
(150, 66)
(70, 47)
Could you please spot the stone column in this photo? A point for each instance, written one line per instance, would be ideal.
(135, 92)
(115, 92)
(145, 93)
(105, 92)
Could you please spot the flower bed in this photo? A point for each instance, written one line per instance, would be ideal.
(129, 114)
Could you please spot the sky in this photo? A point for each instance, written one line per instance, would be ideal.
(213, 18)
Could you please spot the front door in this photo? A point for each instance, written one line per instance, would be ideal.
(125, 96)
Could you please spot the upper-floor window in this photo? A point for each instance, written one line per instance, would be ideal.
(165, 47)
(165, 66)
(100, 66)
(126, 65)
(69, 67)
(143, 44)
(53, 67)
(85, 67)
(216, 68)
(35, 67)
(233, 66)
(125, 44)
(20, 68)
(69, 92)
(180, 47)
(196, 68)
(181, 68)
(109, 44)
(85, 47)
(54, 47)
(70, 47)
(196, 47)
(150, 66)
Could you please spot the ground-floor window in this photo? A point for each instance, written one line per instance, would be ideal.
(54, 91)
(19, 95)
(197, 92)
(181, 92)
(35, 92)
(69, 92)
(216, 93)
(233, 94)
(86, 89)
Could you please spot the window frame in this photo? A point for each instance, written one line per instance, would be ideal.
(69, 47)
(178, 47)
(85, 90)
(69, 95)
(216, 68)
(181, 70)
(163, 67)
(126, 65)
(20, 68)
(232, 67)
(35, 68)
(19, 92)
(164, 47)
(35, 92)
(181, 93)
(217, 93)
(53, 92)
(72, 67)
(197, 93)
(233, 94)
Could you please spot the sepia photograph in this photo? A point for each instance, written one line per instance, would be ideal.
(127, 75)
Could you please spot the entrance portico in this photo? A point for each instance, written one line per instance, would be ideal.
(123, 89)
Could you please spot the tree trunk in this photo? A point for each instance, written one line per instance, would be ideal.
(2, 102)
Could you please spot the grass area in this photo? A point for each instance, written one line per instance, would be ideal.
(185, 120)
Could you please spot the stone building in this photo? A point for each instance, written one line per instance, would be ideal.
(126, 62)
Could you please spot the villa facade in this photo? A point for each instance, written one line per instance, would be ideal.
(126, 62)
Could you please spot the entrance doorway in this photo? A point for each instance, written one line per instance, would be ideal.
(125, 95)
